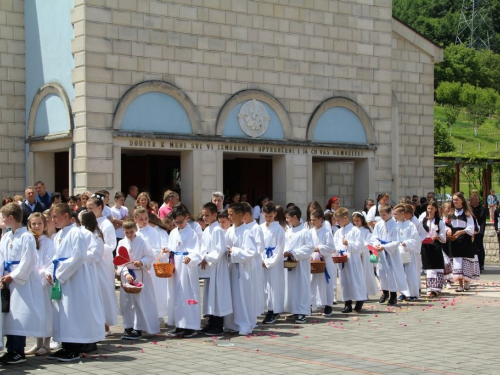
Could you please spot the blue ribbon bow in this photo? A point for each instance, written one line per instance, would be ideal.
(269, 251)
(342, 253)
(6, 265)
(56, 263)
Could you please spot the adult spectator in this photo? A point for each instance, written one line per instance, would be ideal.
(373, 216)
(422, 208)
(42, 195)
(480, 215)
(55, 198)
(30, 205)
(171, 199)
(218, 200)
(431, 196)
(65, 195)
(6, 200)
(492, 204)
(133, 191)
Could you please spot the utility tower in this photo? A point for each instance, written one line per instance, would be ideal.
(475, 26)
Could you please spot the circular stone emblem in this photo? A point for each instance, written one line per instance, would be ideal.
(253, 118)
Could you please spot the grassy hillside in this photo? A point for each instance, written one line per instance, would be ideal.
(463, 134)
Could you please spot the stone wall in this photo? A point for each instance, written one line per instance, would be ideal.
(12, 98)
(491, 244)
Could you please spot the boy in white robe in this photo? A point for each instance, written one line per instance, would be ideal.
(78, 319)
(272, 264)
(322, 293)
(299, 247)
(138, 310)
(150, 235)
(409, 248)
(258, 274)
(217, 290)
(390, 265)
(26, 316)
(373, 215)
(241, 249)
(347, 241)
(184, 293)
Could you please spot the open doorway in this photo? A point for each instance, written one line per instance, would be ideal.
(251, 176)
(152, 173)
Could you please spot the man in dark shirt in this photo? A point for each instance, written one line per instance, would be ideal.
(30, 205)
(42, 195)
(480, 214)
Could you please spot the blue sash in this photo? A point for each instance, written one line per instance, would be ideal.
(181, 253)
(342, 253)
(56, 263)
(269, 251)
(6, 265)
(386, 253)
(327, 276)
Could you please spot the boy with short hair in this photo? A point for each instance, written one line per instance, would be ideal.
(217, 290)
(223, 218)
(390, 265)
(241, 249)
(139, 310)
(299, 247)
(352, 281)
(26, 316)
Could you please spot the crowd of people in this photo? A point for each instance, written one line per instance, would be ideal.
(62, 255)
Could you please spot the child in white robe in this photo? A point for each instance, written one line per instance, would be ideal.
(373, 215)
(298, 247)
(27, 313)
(409, 249)
(184, 293)
(322, 294)
(217, 291)
(37, 226)
(272, 263)
(223, 219)
(390, 265)
(258, 272)
(347, 241)
(358, 219)
(106, 271)
(138, 310)
(79, 291)
(150, 235)
(241, 249)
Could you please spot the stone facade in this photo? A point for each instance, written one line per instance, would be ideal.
(491, 246)
(12, 98)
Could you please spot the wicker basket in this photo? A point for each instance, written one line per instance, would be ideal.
(163, 269)
(318, 266)
(131, 288)
(290, 264)
(340, 259)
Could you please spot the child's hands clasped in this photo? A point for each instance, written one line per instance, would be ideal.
(138, 263)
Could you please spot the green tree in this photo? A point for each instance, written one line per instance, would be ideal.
(460, 65)
(472, 99)
(442, 140)
(448, 94)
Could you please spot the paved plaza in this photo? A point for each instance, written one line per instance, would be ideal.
(455, 334)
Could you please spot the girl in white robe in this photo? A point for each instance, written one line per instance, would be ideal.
(217, 290)
(242, 250)
(184, 294)
(106, 270)
(347, 241)
(150, 235)
(372, 288)
(76, 320)
(44, 255)
(138, 310)
(272, 261)
(322, 294)
(299, 247)
(27, 316)
(390, 265)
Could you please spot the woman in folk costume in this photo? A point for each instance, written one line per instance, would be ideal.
(184, 293)
(76, 320)
(448, 262)
(138, 310)
(217, 291)
(272, 263)
(409, 249)
(37, 226)
(460, 231)
(298, 247)
(432, 253)
(107, 269)
(347, 241)
(322, 293)
(390, 265)
(359, 221)
(241, 249)
(27, 313)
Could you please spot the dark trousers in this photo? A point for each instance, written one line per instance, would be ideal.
(479, 246)
(15, 344)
